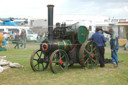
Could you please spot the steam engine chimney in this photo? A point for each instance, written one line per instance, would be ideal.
(50, 22)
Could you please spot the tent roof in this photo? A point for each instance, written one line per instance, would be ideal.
(122, 23)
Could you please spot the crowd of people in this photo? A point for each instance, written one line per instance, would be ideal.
(20, 38)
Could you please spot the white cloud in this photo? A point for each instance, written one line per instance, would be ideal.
(38, 8)
(25, 8)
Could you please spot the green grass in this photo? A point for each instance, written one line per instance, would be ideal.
(73, 76)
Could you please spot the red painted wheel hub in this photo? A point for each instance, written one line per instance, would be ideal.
(92, 55)
(83, 35)
(61, 62)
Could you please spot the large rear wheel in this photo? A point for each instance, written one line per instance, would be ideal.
(88, 54)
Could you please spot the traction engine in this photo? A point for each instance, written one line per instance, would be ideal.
(65, 46)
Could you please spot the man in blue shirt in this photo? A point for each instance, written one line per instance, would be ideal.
(100, 40)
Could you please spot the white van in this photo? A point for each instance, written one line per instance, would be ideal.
(5, 32)
(30, 34)
(13, 29)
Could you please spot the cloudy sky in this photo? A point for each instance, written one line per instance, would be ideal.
(37, 8)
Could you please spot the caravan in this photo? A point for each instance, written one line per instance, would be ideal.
(10, 31)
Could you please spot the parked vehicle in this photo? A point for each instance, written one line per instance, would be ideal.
(7, 35)
(65, 46)
(10, 31)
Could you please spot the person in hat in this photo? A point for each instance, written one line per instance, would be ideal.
(100, 40)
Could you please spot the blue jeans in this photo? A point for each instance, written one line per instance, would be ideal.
(115, 57)
(23, 43)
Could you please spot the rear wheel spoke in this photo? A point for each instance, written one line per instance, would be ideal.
(86, 51)
(54, 61)
(86, 61)
(93, 60)
(94, 49)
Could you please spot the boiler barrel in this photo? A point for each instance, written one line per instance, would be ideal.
(51, 46)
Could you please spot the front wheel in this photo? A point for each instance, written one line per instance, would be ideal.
(58, 61)
(38, 61)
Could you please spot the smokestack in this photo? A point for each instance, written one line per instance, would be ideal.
(50, 22)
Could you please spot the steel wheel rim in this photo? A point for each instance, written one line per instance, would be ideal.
(37, 61)
(58, 61)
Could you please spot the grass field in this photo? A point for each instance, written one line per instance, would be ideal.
(73, 76)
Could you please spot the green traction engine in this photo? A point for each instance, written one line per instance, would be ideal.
(65, 46)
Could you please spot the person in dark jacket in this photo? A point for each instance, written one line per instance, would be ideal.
(114, 46)
(23, 38)
(17, 39)
(100, 40)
